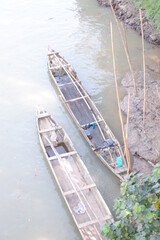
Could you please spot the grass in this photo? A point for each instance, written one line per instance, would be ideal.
(152, 8)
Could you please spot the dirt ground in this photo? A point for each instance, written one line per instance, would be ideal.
(144, 140)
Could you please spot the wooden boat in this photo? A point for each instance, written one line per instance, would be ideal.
(80, 193)
(86, 115)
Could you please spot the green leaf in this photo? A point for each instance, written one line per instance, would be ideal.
(105, 230)
(149, 215)
(137, 208)
(126, 213)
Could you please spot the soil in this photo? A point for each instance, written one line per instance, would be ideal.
(143, 139)
(128, 13)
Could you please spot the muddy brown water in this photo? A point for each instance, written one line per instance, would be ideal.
(31, 204)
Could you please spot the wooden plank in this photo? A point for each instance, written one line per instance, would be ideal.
(121, 170)
(50, 68)
(43, 115)
(63, 155)
(86, 224)
(49, 129)
(64, 84)
(96, 122)
(75, 99)
(80, 189)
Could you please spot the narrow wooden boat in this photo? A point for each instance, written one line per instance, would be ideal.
(80, 193)
(86, 115)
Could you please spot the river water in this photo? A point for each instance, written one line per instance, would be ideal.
(31, 204)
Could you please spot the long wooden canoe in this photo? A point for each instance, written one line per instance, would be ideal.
(86, 115)
(80, 193)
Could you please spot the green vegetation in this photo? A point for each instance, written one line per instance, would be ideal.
(152, 8)
(137, 209)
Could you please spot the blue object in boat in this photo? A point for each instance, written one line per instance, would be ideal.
(119, 161)
(94, 125)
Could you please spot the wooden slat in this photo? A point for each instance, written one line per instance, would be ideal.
(75, 99)
(49, 129)
(96, 122)
(64, 84)
(121, 170)
(54, 67)
(85, 224)
(43, 115)
(63, 155)
(81, 189)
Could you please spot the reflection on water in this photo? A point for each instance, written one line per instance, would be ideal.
(31, 204)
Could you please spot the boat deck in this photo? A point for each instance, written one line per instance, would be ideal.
(84, 201)
(86, 115)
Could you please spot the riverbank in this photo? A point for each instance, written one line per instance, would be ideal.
(144, 142)
(127, 12)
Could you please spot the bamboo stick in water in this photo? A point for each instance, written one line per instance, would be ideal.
(126, 50)
(144, 69)
(128, 113)
(119, 108)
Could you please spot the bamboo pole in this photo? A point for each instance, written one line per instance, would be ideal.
(128, 113)
(125, 37)
(126, 50)
(144, 69)
(118, 100)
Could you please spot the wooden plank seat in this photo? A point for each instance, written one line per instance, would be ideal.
(121, 170)
(43, 115)
(64, 84)
(80, 189)
(63, 155)
(96, 122)
(91, 222)
(49, 129)
(51, 68)
(75, 99)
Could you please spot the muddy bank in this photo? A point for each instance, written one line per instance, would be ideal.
(128, 13)
(144, 142)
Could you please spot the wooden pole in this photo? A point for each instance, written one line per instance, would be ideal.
(144, 69)
(128, 113)
(118, 100)
(126, 50)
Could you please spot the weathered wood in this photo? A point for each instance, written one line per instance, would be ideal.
(118, 101)
(92, 123)
(93, 222)
(81, 189)
(85, 113)
(44, 115)
(62, 85)
(63, 155)
(75, 99)
(125, 48)
(144, 69)
(48, 130)
(73, 179)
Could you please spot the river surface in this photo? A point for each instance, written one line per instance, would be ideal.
(31, 206)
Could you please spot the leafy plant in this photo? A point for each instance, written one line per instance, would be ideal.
(137, 209)
(152, 8)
